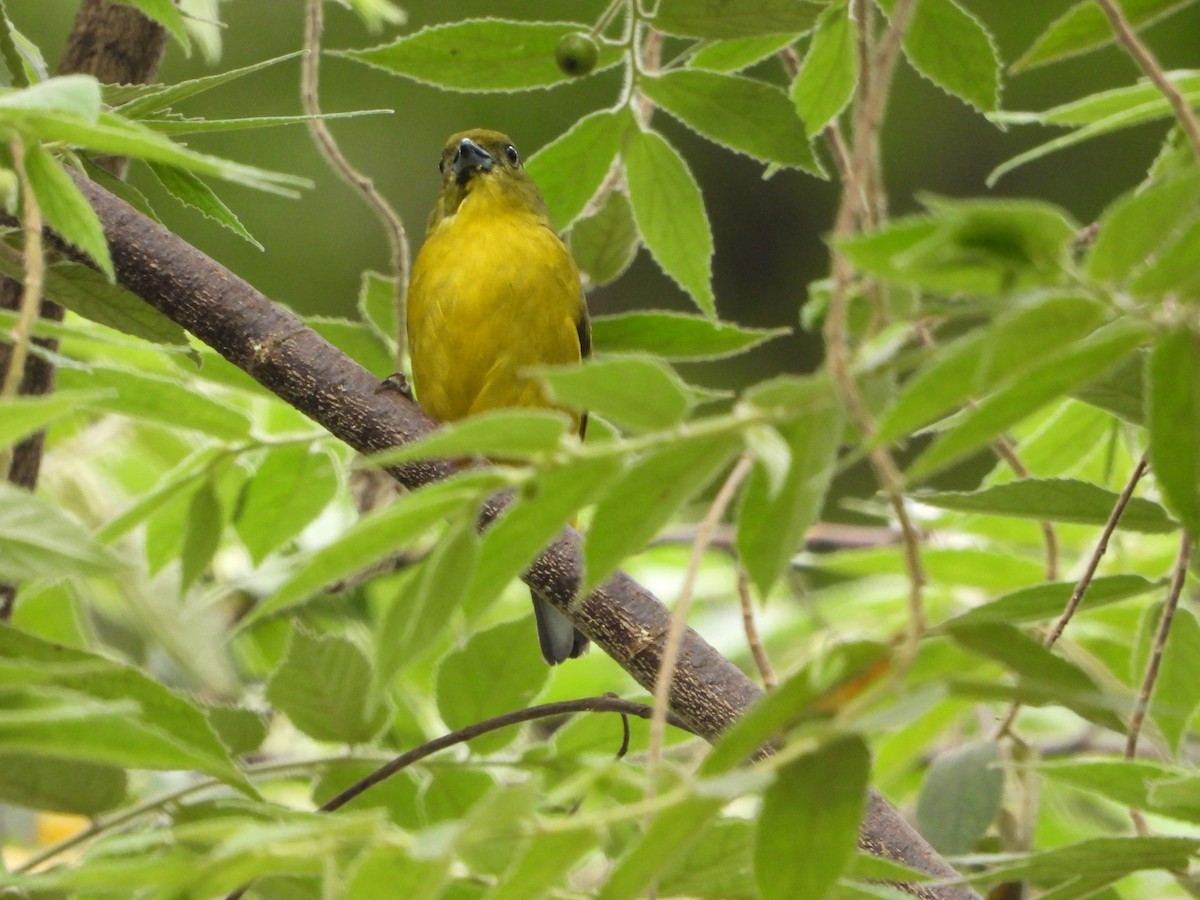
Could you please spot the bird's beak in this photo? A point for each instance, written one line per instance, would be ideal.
(468, 159)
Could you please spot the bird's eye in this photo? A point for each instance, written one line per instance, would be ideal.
(511, 152)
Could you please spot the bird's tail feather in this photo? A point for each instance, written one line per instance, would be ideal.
(559, 639)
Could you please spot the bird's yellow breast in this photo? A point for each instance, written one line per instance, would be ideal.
(493, 291)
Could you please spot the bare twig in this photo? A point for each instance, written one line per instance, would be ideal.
(670, 654)
(393, 225)
(1148, 63)
(757, 650)
(1085, 579)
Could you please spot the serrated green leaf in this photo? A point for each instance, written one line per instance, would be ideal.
(1173, 269)
(1061, 680)
(480, 55)
(636, 392)
(138, 100)
(71, 95)
(45, 783)
(827, 76)
(1045, 601)
(818, 799)
(950, 47)
(511, 434)
(167, 14)
(378, 535)
(537, 515)
(155, 399)
(495, 672)
(22, 416)
(972, 365)
(570, 169)
(39, 541)
(740, 113)
(605, 243)
(735, 18)
(1084, 27)
(1043, 382)
(181, 125)
(717, 865)
(189, 190)
(323, 686)
(377, 306)
(670, 835)
(735, 54)
(240, 729)
(672, 335)
(1120, 391)
(290, 488)
(961, 797)
(64, 208)
(771, 524)
(1111, 857)
(1174, 423)
(662, 481)
(543, 864)
(1139, 223)
(1055, 500)
(670, 214)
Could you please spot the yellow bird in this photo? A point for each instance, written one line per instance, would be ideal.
(493, 292)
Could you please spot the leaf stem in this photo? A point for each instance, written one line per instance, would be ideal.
(753, 640)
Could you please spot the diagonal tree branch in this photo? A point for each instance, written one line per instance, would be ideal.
(280, 352)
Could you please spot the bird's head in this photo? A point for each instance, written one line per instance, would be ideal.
(483, 163)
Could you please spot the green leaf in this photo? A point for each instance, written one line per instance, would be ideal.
(1045, 601)
(495, 672)
(972, 365)
(1055, 500)
(670, 214)
(1174, 423)
(167, 14)
(70, 95)
(377, 307)
(540, 512)
(94, 709)
(961, 797)
(1124, 781)
(480, 55)
(817, 801)
(544, 864)
(605, 243)
(635, 392)
(202, 533)
(1172, 270)
(672, 335)
(138, 100)
(64, 207)
(376, 536)
(290, 488)
(670, 835)
(740, 113)
(950, 47)
(1060, 680)
(512, 434)
(358, 341)
(189, 190)
(1084, 27)
(384, 872)
(1177, 688)
(718, 864)
(771, 523)
(323, 686)
(161, 400)
(661, 482)
(46, 783)
(827, 76)
(1111, 857)
(1141, 222)
(37, 540)
(735, 54)
(571, 168)
(240, 729)
(735, 18)
(1041, 383)
(177, 125)
(1121, 390)
(22, 416)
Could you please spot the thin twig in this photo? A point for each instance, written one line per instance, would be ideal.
(757, 650)
(1085, 579)
(35, 267)
(1148, 63)
(670, 655)
(874, 86)
(1005, 450)
(393, 225)
(606, 703)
